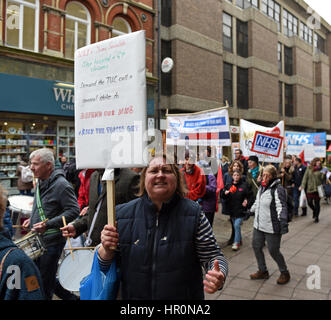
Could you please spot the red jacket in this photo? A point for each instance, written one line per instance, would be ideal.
(196, 183)
(83, 194)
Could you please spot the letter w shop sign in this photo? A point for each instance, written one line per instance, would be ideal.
(267, 144)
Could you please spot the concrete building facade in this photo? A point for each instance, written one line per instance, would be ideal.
(269, 59)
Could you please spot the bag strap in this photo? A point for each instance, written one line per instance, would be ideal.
(3, 260)
(42, 213)
(88, 240)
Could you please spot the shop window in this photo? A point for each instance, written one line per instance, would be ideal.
(17, 140)
(290, 24)
(227, 32)
(120, 27)
(78, 28)
(227, 83)
(22, 24)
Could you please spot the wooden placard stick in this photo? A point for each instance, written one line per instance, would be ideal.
(70, 248)
(109, 177)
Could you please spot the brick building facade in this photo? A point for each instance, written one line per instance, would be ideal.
(37, 43)
(269, 59)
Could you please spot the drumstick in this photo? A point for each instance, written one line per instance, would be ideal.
(65, 224)
(21, 225)
(80, 248)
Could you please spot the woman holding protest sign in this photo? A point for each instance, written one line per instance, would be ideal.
(163, 239)
(312, 179)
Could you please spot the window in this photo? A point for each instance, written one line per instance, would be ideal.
(290, 24)
(306, 33)
(166, 77)
(280, 98)
(289, 100)
(227, 83)
(242, 88)
(78, 28)
(280, 57)
(271, 9)
(22, 24)
(227, 32)
(166, 13)
(242, 38)
(243, 4)
(319, 43)
(288, 61)
(120, 27)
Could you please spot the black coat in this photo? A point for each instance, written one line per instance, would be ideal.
(233, 201)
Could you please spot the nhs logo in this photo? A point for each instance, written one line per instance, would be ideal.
(267, 144)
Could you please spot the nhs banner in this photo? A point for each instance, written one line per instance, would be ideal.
(247, 134)
(296, 141)
(267, 144)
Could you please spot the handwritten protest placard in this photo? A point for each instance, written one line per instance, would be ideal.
(110, 102)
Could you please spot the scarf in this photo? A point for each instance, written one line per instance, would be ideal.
(255, 172)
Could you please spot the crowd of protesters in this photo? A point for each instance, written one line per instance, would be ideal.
(244, 187)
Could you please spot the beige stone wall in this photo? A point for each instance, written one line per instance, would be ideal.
(204, 17)
(304, 102)
(198, 73)
(264, 91)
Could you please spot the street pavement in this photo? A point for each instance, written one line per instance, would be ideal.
(307, 251)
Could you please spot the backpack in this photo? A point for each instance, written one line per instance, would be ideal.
(289, 203)
(26, 174)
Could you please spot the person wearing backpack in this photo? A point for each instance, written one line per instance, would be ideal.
(25, 177)
(270, 223)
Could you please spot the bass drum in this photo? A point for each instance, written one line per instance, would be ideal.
(72, 270)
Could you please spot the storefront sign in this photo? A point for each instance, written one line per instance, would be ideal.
(37, 96)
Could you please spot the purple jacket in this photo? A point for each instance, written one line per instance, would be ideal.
(208, 202)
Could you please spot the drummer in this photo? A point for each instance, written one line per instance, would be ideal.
(54, 198)
(30, 285)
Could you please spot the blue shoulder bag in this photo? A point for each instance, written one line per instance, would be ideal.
(99, 285)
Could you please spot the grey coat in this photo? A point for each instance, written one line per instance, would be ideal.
(57, 199)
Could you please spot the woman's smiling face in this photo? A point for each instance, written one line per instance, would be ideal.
(160, 181)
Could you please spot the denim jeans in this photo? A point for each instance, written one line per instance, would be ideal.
(48, 264)
(237, 229)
